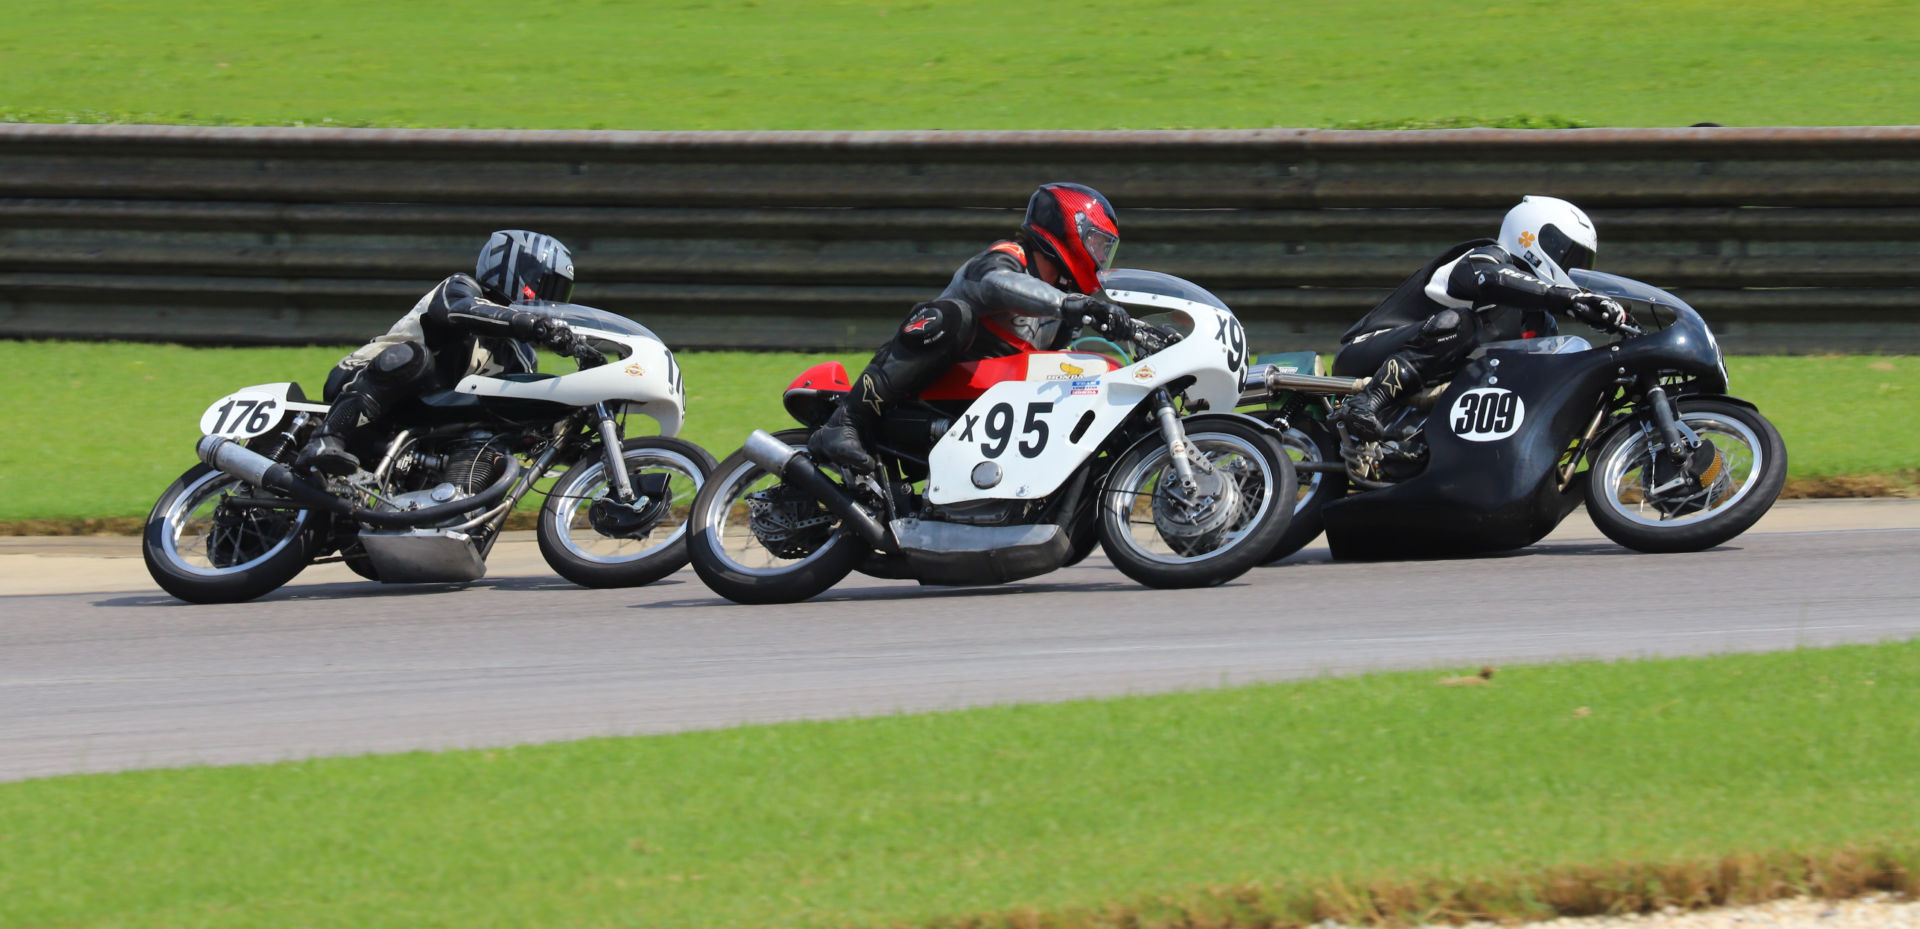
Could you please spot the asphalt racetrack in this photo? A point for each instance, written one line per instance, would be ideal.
(100, 671)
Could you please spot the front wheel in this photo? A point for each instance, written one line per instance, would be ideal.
(202, 547)
(1165, 535)
(755, 539)
(1635, 502)
(591, 539)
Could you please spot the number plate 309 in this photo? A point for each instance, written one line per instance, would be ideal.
(1486, 414)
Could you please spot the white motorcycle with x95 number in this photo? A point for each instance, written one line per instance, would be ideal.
(1012, 467)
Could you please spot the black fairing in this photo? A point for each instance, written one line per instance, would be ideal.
(447, 407)
(1476, 497)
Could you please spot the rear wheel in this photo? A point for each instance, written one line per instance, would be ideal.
(1309, 442)
(589, 538)
(757, 540)
(1628, 490)
(203, 548)
(1164, 535)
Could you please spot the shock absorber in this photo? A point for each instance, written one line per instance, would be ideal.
(280, 446)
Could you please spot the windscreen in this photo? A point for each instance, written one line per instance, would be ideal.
(574, 314)
(1137, 281)
(1613, 285)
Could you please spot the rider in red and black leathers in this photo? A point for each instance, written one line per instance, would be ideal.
(464, 325)
(1479, 291)
(1030, 292)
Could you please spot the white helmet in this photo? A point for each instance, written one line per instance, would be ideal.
(1551, 236)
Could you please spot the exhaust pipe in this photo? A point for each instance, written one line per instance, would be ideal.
(797, 469)
(1266, 380)
(231, 457)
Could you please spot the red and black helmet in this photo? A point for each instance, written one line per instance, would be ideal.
(1074, 226)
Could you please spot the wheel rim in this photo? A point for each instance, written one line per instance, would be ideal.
(201, 535)
(1623, 476)
(570, 526)
(1131, 496)
(730, 537)
(1301, 447)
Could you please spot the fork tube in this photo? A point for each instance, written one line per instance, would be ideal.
(1175, 437)
(616, 463)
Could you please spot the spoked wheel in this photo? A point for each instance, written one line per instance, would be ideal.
(1309, 442)
(590, 538)
(1640, 499)
(203, 548)
(757, 540)
(1165, 535)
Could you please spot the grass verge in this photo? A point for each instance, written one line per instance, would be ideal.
(994, 64)
(1556, 788)
(95, 431)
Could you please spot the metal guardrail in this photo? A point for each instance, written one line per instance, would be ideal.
(1787, 239)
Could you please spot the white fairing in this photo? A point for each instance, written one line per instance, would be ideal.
(1026, 428)
(647, 381)
(253, 411)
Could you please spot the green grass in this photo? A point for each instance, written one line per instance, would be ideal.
(1135, 803)
(882, 64)
(98, 430)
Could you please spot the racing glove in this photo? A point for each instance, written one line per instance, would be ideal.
(1105, 317)
(1600, 310)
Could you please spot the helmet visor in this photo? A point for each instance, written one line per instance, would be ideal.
(1100, 244)
(1564, 251)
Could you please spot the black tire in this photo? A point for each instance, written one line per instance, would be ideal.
(1311, 440)
(564, 528)
(1747, 441)
(709, 547)
(1245, 546)
(256, 553)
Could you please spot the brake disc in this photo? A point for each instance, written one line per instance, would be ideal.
(1193, 522)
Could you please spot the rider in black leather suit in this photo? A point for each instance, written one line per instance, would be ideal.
(464, 325)
(1479, 291)
(1030, 292)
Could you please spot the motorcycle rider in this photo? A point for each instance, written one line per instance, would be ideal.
(464, 325)
(1480, 291)
(1021, 294)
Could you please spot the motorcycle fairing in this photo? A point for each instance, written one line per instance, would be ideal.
(646, 380)
(1482, 496)
(1037, 433)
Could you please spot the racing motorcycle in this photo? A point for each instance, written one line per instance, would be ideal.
(456, 462)
(1012, 467)
(1491, 460)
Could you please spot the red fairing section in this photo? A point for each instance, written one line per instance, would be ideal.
(829, 376)
(969, 379)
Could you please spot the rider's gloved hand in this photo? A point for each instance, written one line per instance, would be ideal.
(1601, 310)
(1105, 317)
(560, 338)
(529, 327)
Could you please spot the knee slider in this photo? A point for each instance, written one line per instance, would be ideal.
(1445, 322)
(399, 364)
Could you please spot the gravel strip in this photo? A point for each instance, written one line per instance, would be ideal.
(1879, 911)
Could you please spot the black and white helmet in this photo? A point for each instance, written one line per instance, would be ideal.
(1552, 236)
(517, 266)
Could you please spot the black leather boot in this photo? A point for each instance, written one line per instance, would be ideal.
(327, 451)
(1361, 412)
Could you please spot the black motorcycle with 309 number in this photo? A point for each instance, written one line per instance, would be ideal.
(452, 464)
(1492, 459)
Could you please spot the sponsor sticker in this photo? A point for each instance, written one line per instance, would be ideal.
(1144, 373)
(1087, 387)
(635, 370)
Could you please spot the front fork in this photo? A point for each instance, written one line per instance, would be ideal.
(616, 459)
(1176, 439)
